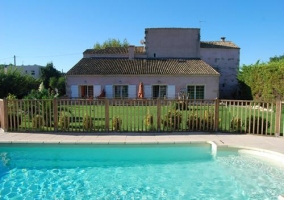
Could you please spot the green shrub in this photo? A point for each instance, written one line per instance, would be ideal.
(149, 121)
(116, 123)
(257, 125)
(181, 105)
(14, 113)
(14, 121)
(193, 121)
(204, 122)
(37, 122)
(208, 120)
(236, 124)
(172, 119)
(64, 121)
(87, 122)
(12, 103)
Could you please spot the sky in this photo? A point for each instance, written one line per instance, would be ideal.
(59, 31)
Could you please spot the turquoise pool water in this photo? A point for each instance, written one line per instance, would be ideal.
(135, 172)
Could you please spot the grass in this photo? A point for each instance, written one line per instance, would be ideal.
(243, 112)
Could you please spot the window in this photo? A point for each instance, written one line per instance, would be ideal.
(120, 91)
(195, 91)
(33, 72)
(159, 91)
(87, 91)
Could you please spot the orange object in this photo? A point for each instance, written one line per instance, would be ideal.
(141, 90)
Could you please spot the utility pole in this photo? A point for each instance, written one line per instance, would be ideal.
(14, 60)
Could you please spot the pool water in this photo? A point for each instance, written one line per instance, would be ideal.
(183, 171)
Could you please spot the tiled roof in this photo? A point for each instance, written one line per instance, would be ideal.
(119, 66)
(219, 44)
(114, 50)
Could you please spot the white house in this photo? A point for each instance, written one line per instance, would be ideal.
(32, 70)
(169, 64)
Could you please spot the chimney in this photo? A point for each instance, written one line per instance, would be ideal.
(131, 49)
(223, 39)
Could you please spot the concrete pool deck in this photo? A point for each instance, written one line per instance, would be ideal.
(269, 143)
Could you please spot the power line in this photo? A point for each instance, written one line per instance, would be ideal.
(42, 56)
(71, 54)
(6, 58)
(58, 55)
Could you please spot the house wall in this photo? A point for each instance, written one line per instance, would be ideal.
(211, 83)
(32, 70)
(226, 62)
(172, 42)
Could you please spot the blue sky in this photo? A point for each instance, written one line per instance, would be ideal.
(58, 31)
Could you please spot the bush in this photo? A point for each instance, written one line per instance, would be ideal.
(193, 122)
(14, 121)
(181, 105)
(149, 121)
(14, 112)
(172, 119)
(37, 122)
(64, 121)
(236, 124)
(205, 122)
(208, 120)
(116, 123)
(257, 125)
(12, 103)
(87, 122)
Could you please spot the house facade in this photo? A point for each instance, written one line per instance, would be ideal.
(169, 65)
(31, 70)
(223, 56)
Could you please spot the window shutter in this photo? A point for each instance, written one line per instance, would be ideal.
(148, 91)
(97, 90)
(109, 91)
(171, 91)
(132, 91)
(74, 91)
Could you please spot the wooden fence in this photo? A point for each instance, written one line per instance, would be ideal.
(127, 115)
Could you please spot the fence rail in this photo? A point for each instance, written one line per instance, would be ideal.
(127, 115)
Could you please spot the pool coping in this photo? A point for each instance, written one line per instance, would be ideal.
(266, 144)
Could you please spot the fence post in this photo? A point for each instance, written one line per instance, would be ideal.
(106, 115)
(158, 115)
(5, 115)
(278, 117)
(55, 113)
(216, 114)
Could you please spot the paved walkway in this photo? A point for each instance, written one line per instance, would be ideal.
(269, 143)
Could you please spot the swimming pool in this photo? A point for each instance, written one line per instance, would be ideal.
(179, 171)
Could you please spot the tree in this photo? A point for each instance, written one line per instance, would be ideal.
(111, 43)
(276, 58)
(59, 84)
(53, 81)
(48, 72)
(14, 82)
(262, 81)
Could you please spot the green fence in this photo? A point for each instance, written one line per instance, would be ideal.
(127, 115)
